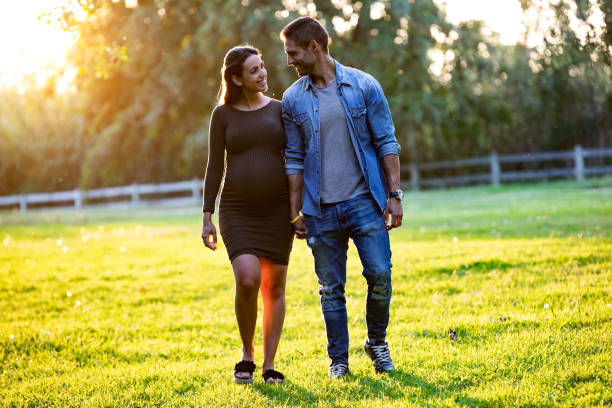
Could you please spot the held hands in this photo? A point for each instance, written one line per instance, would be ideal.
(393, 213)
(299, 226)
(209, 232)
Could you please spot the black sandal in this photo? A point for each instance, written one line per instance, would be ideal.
(273, 377)
(244, 367)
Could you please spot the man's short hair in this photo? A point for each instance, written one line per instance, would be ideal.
(304, 29)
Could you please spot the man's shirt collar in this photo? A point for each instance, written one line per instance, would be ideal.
(341, 77)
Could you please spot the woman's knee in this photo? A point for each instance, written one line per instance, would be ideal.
(247, 284)
(273, 280)
(274, 288)
(277, 291)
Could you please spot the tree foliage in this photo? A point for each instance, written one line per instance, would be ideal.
(148, 78)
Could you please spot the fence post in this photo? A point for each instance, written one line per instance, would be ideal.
(134, 194)
(495, 169)
(23, 202)
(78, 199)
(578, 163)
(414, 176)
(195, 190)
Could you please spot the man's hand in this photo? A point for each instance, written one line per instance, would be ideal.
(393, 213)
(296, 188)
(209, 232)
(299, 228)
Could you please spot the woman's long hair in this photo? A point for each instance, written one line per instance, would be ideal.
(229, 93)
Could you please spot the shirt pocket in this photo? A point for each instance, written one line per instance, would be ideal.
(304, 124)
(358, 115)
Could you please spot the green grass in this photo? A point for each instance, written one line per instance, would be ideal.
(127, 309)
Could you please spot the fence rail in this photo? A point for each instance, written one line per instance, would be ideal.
(191, 190)
(133, 194)
(495, 175)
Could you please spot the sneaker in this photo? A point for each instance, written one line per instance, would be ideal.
(381, 360)
(338, 370)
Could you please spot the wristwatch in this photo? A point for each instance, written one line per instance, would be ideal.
(399, 194)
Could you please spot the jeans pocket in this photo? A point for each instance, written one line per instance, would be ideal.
(367, 216)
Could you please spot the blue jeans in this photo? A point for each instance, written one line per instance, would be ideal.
(327, 236)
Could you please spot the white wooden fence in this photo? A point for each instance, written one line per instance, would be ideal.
(190, 192)
(496, 175)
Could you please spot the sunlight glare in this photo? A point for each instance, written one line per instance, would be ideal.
(501, 16)
(36, 49)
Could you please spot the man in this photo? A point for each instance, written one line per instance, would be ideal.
(343, 168)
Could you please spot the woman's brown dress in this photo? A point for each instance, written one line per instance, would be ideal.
(254, 206)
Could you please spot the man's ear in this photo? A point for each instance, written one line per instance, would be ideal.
(236, 80)
(314, 46)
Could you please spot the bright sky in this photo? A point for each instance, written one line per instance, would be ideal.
(30, 45)
(502, 16)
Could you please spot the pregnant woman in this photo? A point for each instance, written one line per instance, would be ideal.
(246, 140)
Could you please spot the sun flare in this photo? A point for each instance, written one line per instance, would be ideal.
(501, 16)
(32, 48)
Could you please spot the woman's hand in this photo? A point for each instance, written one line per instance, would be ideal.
(209, 232)
(299, 226)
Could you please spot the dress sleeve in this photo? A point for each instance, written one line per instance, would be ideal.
(216, 160)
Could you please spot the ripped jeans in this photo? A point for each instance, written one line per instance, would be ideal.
(327, 236)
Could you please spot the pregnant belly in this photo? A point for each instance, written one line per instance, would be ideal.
(256, 185)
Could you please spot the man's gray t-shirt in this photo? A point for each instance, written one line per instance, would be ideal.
(341, 176)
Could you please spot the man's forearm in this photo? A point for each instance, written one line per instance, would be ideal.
(296, 189)
(391, 164)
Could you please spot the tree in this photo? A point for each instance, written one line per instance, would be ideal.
(148, 78)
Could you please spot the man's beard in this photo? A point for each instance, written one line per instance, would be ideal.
(303, 70)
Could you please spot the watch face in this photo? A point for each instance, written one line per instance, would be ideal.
(399, 194)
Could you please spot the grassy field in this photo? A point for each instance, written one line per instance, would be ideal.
(127, 309)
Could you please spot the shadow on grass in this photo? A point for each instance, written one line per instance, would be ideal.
(488, 265)
(482, 266)
(398, 385)
(390, 382)
(476, 333)
(287, 394)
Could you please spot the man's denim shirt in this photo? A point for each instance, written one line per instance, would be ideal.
(369, 123)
